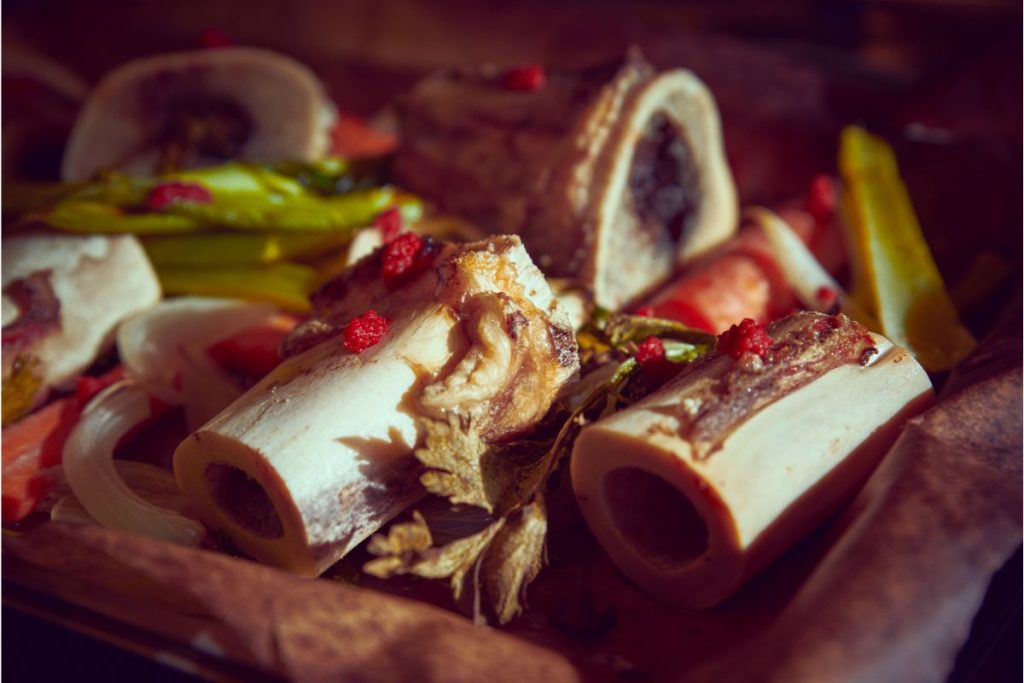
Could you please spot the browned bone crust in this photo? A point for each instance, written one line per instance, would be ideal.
(596, 161)
(265, 619)
(807, 346)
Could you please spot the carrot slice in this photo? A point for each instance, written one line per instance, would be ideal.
(353, 137)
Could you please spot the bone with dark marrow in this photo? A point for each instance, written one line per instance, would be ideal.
(612, 176)
(63, 296)
(318, 455)
(199, 108)
(694, 489)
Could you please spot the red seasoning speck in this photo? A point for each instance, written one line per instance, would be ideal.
(365, 331)
(389, 223)
(821, 199)
(747, 337)
(826, 296)
(650, 351)
(400, 256)
(165, 194)
(645, 312)
(525, 78)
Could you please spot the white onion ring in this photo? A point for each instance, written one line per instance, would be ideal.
(154, 484)
(164, 348)
(90, 472)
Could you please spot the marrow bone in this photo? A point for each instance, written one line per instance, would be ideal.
(697, 487)
(317, 456)
(595, 165)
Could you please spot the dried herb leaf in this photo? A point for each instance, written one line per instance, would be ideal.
(400, 548)
(514, 472)
(454, 559)
(452, 455)
(515, 558)
(508, 481)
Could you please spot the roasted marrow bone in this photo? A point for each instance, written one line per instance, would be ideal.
(593, 166)
(63, 296)
(700, 485)
(318, 455)
(193, 109)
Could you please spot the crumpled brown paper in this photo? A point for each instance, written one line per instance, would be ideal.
(270, 621)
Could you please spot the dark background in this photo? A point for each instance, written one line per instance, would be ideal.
(940, 79)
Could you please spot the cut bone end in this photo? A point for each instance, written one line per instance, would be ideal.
(213, 105)
(233, 493)
(674, 200)
(312, 459)
(612, 175)
(692, 529)
(96, 281)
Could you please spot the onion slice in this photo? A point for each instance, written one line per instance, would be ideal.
(806, 276)
(92, 476)
(164, 348)
(154, 484)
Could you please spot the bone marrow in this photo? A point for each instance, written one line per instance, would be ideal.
(613, 160)
(318, 455)
(663, 183)
(690, 511)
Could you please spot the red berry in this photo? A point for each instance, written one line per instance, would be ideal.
(389, 223)
(826, 296)
(650, 351)
(747, 337)
(400, 256)
(821, 199)
(645, 311)
(365, 331)
(165, 194)
(525, 78)
(212, 38)
(86, 387)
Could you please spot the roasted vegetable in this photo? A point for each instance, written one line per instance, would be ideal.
(895, 278)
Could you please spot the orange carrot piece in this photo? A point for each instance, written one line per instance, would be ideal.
(353, 137)
(33, 446)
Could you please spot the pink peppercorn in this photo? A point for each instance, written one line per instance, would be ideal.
(826, 296)
(389, 223)
(650, 351)
(400, 256)
(165, 194)
(747, 337)
(364, 331)
(525, 78)
(821, 200)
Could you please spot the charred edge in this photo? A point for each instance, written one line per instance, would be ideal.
(811, 345)
(38, 311)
